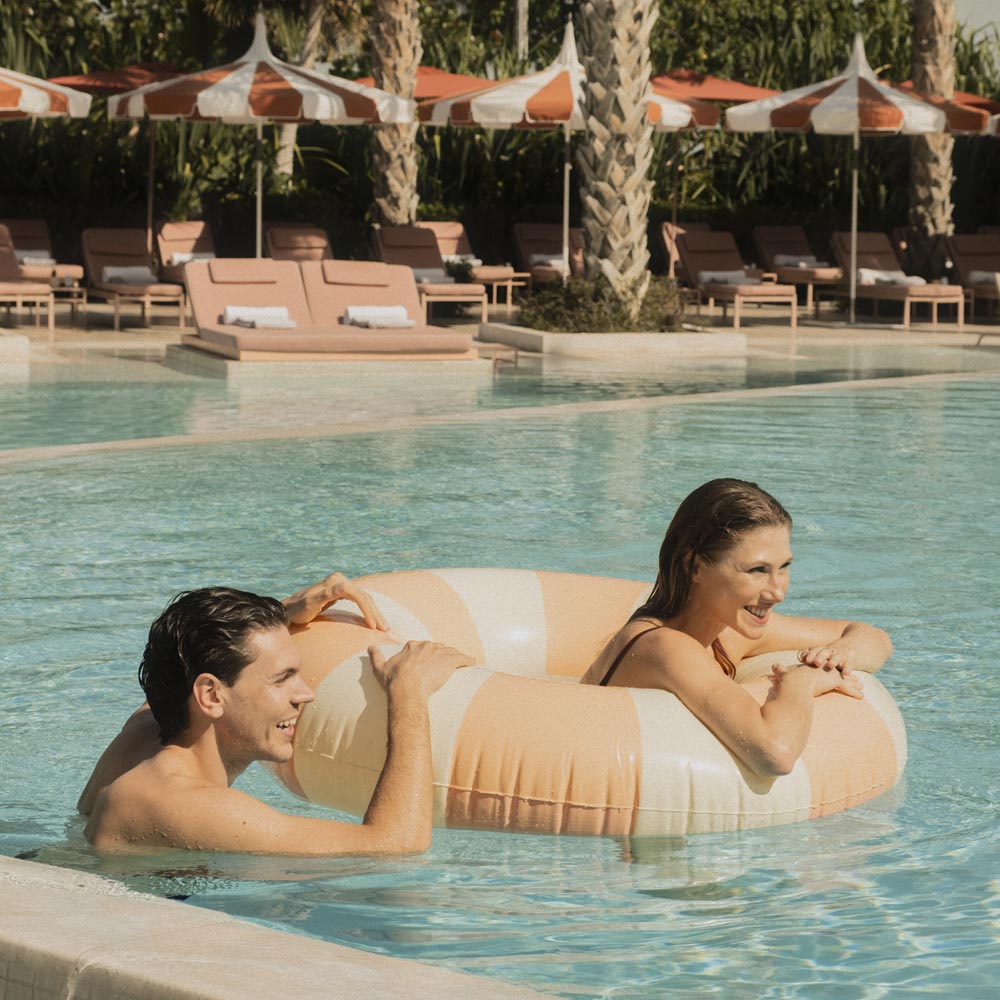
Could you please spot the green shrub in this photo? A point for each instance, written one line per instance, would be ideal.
(583, 306)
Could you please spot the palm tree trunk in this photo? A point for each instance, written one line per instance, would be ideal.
(285, 161)
(396, 50)
(614, 159)
(931, 177)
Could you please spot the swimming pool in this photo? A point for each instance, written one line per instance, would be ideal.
(893, 490)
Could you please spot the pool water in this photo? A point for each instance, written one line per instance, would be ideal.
(893, 489)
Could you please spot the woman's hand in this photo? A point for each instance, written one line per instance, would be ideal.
(825, 679)
(833, 656)
(304, 605)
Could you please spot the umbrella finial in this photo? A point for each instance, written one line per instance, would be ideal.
(859, 61)
(568, 54)
(259, 50)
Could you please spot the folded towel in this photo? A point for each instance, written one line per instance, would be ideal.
(267, 323)
(462, 258)
(128, 275)
(38, 257)
(726, 278)
(261, 315)
(798, 260)
(378, 317)
(874, 276)
(432, 275)
(545, 260)
(982, 277)
(186, 258)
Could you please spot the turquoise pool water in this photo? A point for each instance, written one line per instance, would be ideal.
(894, 494)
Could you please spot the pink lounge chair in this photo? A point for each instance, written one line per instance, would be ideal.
(538, 249)
(785, 251)
(296, 241)
(453, 244)
(713, 261)
(178, 243)
(416, 248)
(976, 257)
(220, 285)
(106, 251)
(17, 292)
(669, 232)
(875, 257)
(31, 242)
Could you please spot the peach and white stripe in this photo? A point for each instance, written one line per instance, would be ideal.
(518, 746)
(259, 87)
(23, 96)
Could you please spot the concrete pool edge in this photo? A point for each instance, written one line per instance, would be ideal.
(70, 935)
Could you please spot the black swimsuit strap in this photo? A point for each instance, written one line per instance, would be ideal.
(621, 656)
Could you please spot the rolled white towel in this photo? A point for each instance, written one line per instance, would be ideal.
(38, 257)
(875, 276)
(462, 258)
(178, 258)
(259, 316)
(726, 278)
(273, 323)
(798, 260)
(378, 317)
(545, 260)
(128, 275)
(432, 275)
(982, 277)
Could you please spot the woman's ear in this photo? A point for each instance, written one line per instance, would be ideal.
(207, 693)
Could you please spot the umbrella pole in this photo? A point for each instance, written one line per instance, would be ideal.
(260, 187)
(854, 223)
(150, 186)
(567, 167)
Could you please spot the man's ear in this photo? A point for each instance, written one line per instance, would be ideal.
(207, 693)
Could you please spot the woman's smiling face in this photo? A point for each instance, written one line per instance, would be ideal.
(741, 587)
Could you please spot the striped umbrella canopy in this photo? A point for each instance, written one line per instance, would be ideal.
(433, 83)
(257, 89)
(855, 103)
(553, 98)
(689, 83)
(23, 96)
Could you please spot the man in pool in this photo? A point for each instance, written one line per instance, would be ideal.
(223, 689)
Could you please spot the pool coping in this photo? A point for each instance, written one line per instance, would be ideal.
(70, 935)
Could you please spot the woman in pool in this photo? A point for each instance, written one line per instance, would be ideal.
(724, 565)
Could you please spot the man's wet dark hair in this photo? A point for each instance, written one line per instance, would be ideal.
(200, 632)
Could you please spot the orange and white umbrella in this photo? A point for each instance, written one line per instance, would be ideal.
(855, 103)
(257, 89)
(553, 98)
(23, 96)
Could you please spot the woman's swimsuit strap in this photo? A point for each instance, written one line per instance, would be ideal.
(621, 656)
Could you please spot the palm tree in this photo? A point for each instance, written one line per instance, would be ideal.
(931, 177)
(396, 52)
(615, 157)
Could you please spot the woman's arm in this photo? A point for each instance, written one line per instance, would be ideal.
(824, 642)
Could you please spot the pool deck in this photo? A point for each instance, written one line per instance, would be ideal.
(75, 936)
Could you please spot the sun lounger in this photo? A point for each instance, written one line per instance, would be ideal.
(538, 250)
(119, 270)
(976, 257)
(713, 261)
(453, 245)
(669, 232)
(416, 248)
(881, 279)
(785, 252)
(221, 288)
(179, 243)
(17, 292)
(33, 249)
(296, 241)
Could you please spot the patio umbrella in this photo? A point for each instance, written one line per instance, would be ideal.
(854, 103)
(23, 96)
(689, 83)
(551, 98)
(433, 83)
(105, 83)
(257, 89)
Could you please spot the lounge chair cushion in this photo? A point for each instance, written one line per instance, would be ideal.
(726, 278)
(982, 277)
(378, 317)
(139, 274)
(875, 276)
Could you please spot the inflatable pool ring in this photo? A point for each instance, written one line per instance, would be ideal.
(518, 745)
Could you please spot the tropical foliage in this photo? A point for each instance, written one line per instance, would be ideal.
(94, 171)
